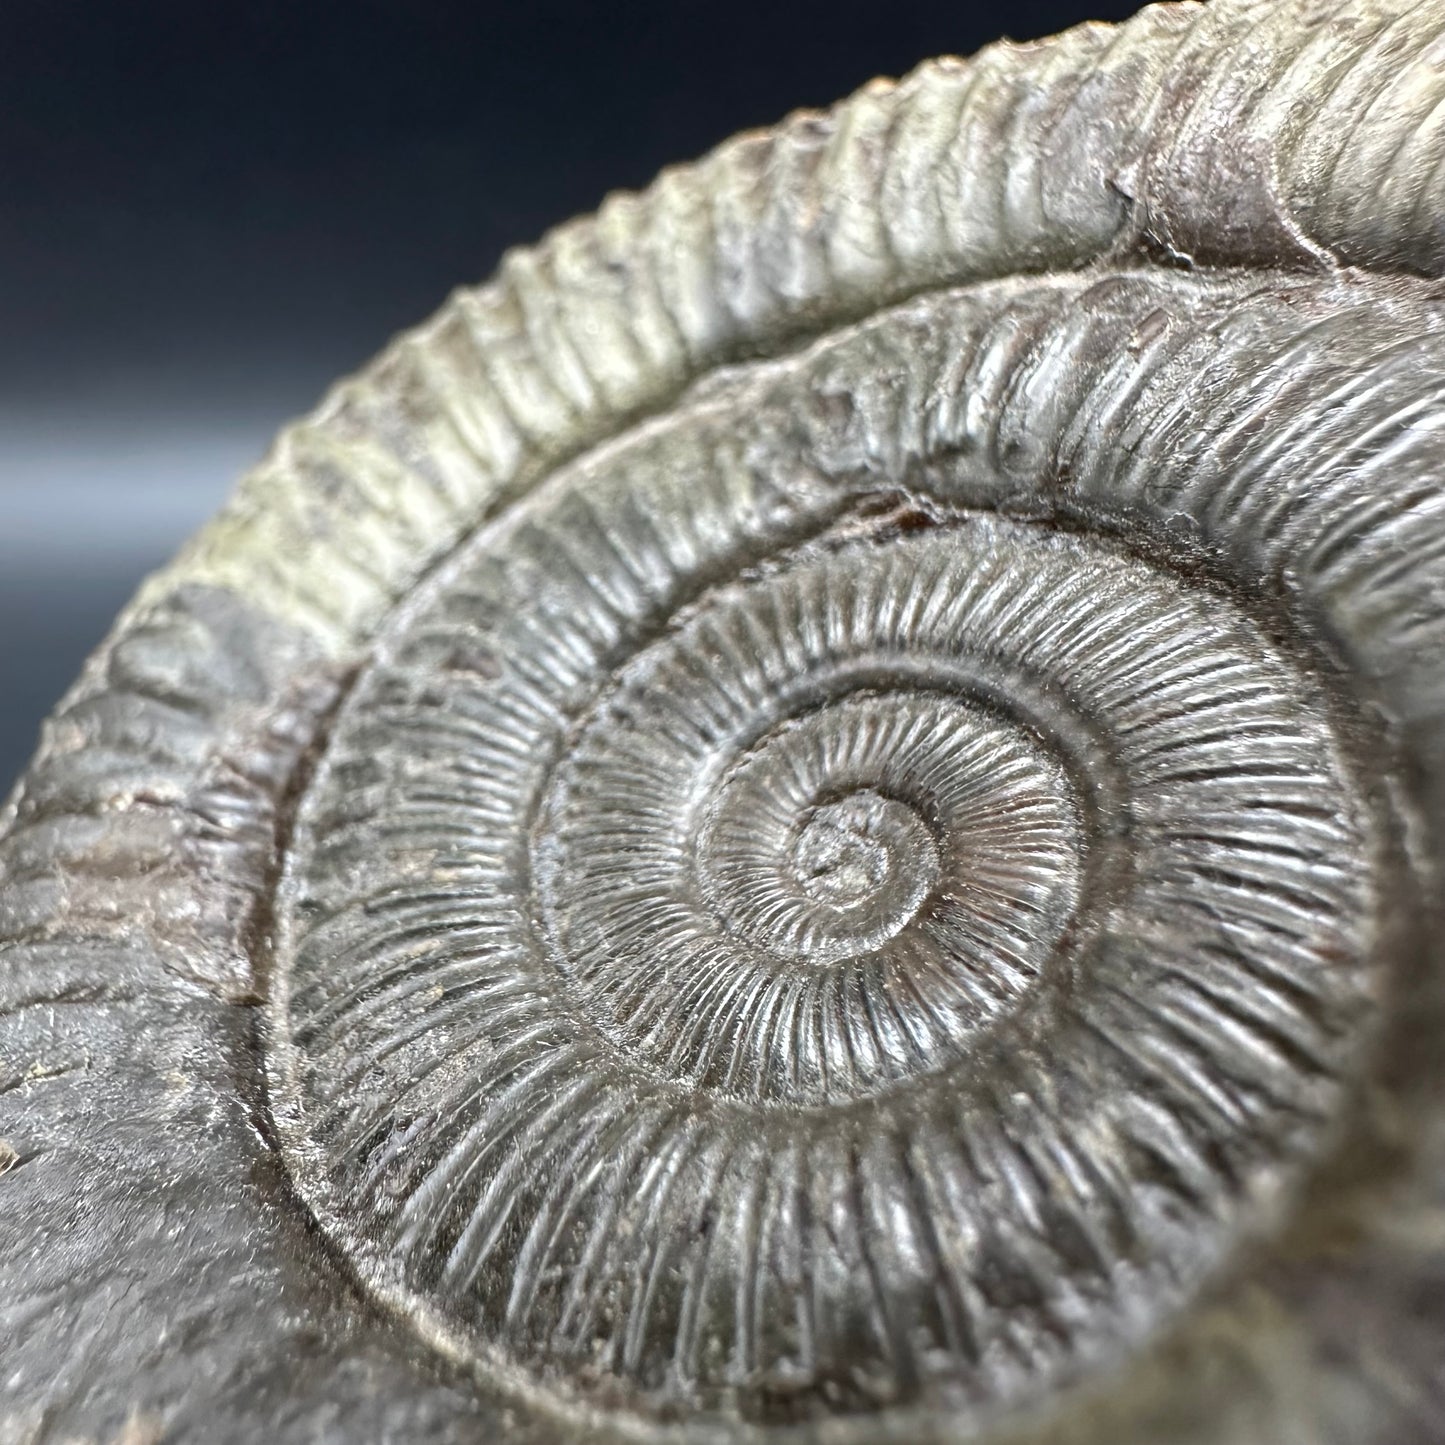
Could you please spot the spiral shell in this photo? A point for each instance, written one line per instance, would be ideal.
(814, 817)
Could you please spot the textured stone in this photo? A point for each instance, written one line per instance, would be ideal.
(816, 816)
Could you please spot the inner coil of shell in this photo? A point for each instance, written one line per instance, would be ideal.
(801, 951)
(829, 792)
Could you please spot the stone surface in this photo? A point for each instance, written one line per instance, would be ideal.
(813, 817)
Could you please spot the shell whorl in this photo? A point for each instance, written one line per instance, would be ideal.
(813, 817)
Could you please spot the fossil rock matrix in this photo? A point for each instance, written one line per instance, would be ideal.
(813, 817)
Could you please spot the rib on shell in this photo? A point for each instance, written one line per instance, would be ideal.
(813, 817)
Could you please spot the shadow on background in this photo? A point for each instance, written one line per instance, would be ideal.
(209, 211)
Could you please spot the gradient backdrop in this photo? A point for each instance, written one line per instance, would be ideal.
(209, 209)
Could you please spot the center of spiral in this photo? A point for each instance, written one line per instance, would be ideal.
(866, 854)
(785, 878)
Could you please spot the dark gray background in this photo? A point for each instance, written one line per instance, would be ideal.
(210, 209)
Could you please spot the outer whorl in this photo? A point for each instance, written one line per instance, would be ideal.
(816, 816)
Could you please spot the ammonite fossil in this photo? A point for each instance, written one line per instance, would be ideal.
(816, 816)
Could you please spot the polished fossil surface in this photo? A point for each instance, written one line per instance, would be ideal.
(813, 817)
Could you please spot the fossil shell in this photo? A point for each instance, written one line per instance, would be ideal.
(813, 817)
